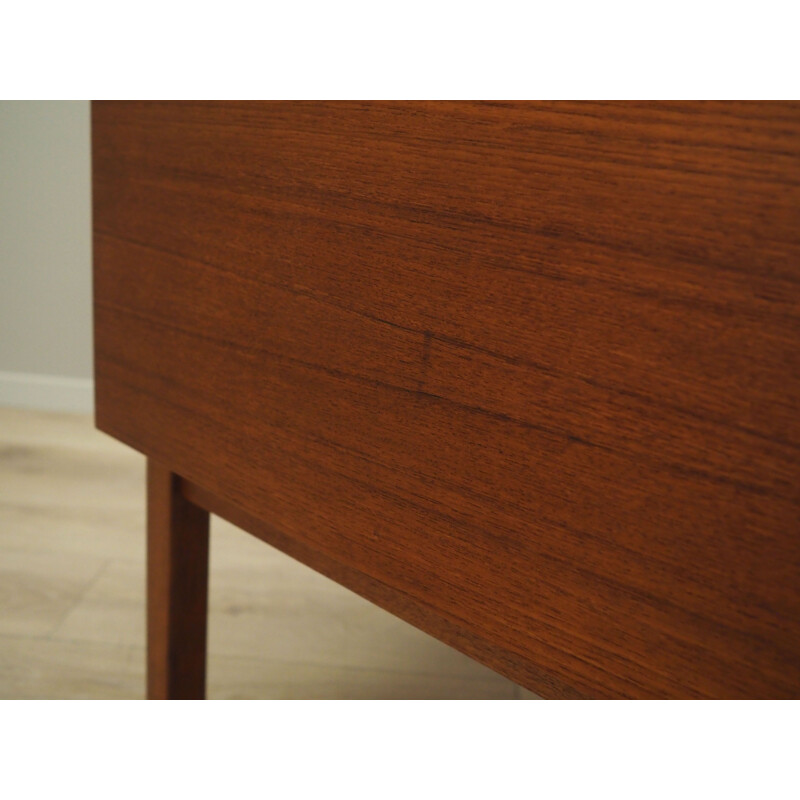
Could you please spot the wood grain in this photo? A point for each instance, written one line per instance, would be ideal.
(530, 369)
(177, 590)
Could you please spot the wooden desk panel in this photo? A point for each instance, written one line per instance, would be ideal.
(527, 375)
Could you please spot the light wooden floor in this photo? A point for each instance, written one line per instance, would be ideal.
(72, 593)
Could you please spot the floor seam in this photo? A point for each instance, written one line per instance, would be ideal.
(80, 598)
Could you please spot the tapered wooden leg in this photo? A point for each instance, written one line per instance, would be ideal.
(177, 590)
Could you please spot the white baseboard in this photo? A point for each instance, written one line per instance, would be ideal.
(47, 392)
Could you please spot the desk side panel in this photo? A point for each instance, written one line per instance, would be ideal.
(535, 366)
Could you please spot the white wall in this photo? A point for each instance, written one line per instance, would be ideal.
(45, 255)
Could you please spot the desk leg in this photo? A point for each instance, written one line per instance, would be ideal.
(177, 590)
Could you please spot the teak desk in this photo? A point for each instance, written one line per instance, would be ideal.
(526, 375)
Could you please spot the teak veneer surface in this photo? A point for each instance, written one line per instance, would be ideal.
(525, 374)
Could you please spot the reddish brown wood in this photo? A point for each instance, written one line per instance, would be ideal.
(409, 608)
(531, 372)
(177, 589)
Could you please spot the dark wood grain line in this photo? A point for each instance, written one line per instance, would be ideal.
(513, 360)
(654, 459)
